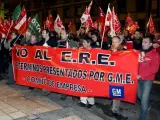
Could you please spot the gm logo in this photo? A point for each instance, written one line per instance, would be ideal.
(116, 91)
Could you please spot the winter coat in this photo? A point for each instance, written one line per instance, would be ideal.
(149, 65)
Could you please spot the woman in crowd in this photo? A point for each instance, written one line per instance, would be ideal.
(33, 41)
(86, 101)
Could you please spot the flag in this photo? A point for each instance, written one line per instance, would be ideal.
(49, 23)
(70, 26)
(150, 26)
(8, 23)
(21, 23)
(95, 25)
(115, 23)
(132, 28)
(130, 25)
(16, 13)
(3, 29)
(58, 25)
(100, 21)
(90, 6)
(129, 20)
(34, 26)
(108, 16)
(86, 15)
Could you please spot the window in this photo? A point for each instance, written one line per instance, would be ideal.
(78, 26)
(54, 13)
(94, 10)
(141, 24)
(122, 6)
(154, 4)
(157, 26)
(78, 11)
(122, 23)
(141, 5)
(66, 12)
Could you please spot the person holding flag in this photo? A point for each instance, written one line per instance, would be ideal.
(11, 43)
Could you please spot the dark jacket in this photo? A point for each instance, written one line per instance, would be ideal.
(137, 43)
(107, 44)
(51, 42)
(71, 43)
(95, 45)
(12, 43)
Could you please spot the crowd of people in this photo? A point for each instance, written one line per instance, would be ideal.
(148, 58)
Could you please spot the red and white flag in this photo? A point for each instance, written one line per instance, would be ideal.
(108, 16)
(58, 25)
(130, 25)
(116, 25)
(129, 21)
(100, 21)
(49, 23)
(132, 28)
(70, 25)
(2, 26)
(86, 15)
(21, 23)
(150, 26)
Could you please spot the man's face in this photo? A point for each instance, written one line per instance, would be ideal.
(33, 39)
(82, 31)
(28, 34)
(44, 34)
(126, 33)
(94, 38)
(13, 36)
(137, 35)
(146, 44)
(116, 42)
(86, 45)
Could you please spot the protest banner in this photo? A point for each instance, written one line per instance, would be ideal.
(95, 72)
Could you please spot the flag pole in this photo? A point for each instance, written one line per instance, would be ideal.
(17, 39)
(104, 30)
(9, 29)
(147, 27)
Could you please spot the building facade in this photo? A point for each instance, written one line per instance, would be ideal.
(71, 10)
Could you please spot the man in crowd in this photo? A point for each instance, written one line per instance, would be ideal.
(9, 45)
(47, 39)
(137, 40)
(64, 42)
(148, 67)
(114, 110)
(86, 101)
